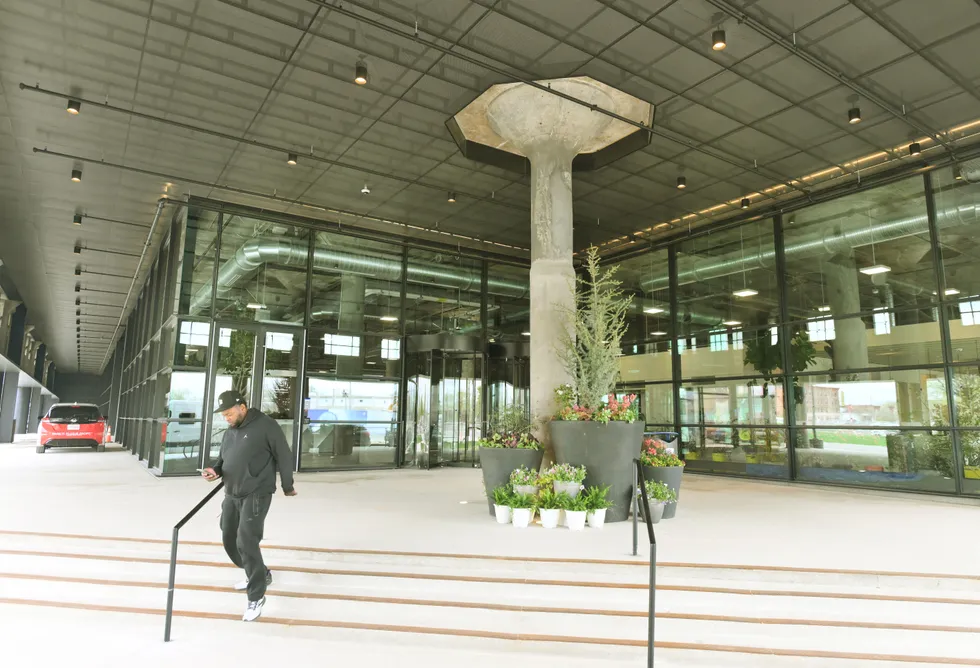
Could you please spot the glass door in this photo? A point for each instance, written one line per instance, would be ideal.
(278, 380)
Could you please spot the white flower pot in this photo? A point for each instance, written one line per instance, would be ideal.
(503, 514)
(527, 490)
(522, 517)
(576, 519)
(597, 518)
(571, 488)
(550, 517)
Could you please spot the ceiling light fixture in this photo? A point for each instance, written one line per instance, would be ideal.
(255, 306)
(292, 159)
(653, 310)
(875, 269)
(78, 287)
(77, 220)
(452, 197)
(78, 301)
(360, 73)
(389, 318)
(681, 182)
(949, 292)
(365, 190)
(915, 149)
(78, 311)
(78, 271)
(525, 333)
(718, 41)
(957, 173)
(732, 323)
(854, 115)
(745, 202)
(77, 250)
(74, 106)
(823, 309)
(76, 175)
(658, 333)
(745, 292)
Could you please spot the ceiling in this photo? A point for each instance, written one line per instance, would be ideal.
(751, 120)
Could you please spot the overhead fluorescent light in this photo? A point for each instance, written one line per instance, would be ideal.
(653, 310)
(823, 309)
(949, 292)
(658, 333)
(746, 292)
(389, 318)
(876, 269)
(525, 333)
(732, 323)
(255, 306)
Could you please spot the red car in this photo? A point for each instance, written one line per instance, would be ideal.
(72, 425)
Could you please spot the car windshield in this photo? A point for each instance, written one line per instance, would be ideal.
(80, 413)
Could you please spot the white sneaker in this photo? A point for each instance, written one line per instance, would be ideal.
(254, 610)
(243, 585)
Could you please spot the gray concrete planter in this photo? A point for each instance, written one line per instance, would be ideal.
(497, 464)
(606, 451)
(671, 476)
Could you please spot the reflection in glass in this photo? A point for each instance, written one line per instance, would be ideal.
(736, 449)
(915, 460)
(508, 303)
(349, 424)
(236, 364)
(280, 380)
(197, 265)
(444, 293)
(181, 445)
(957, 216)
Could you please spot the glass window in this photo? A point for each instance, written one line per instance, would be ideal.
(732, 402)
(645, 278)
(350, 423)
(444, 293)
(197, 262)
(736, 450)
(508, 302)
(262, 271)
(343, 346)
(726, 277)
(957, 217)
(390, 349)
(862, 253)
(914, 460)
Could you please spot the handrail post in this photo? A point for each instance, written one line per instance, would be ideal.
(636, 505)
(170, 584)
(652, 613)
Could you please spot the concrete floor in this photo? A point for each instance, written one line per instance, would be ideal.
(721, 521)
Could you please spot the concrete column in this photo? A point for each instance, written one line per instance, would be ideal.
(7, 307)
(22, 409)
(26, 361)
(550, 132)
(8, 405)
(35, 411)
(15, 337)
(47, 375)
(351, 321)
(851, 340)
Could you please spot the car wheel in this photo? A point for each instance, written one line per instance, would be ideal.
(40, 449)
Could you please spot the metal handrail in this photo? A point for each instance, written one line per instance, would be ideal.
(173, 555)
(640, 492)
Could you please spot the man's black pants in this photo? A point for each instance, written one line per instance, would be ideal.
(242, 524)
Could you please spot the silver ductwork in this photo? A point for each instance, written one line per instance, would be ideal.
(288, 252)
(829, 243)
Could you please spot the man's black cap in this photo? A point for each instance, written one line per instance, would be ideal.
(230, 399)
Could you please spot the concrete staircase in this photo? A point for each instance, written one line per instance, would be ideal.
(559, 611)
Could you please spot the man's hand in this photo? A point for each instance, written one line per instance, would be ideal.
(209, 474)
(291, 492)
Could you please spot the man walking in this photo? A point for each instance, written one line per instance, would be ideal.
(252, 449)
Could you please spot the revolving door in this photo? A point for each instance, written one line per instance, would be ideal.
(452, 385)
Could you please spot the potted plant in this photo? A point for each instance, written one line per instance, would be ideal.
(658, 495)
(661, 465)
(501, 504)
(550, 504)
(592, 427)
(576, 512)
(523, 507)
(509, 446)
(596, 504)
(524, 481)
(564, 478)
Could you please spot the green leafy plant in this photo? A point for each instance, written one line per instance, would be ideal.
(511, 428)
(563, 473)
(549, 500)
(596, 498)
(502, 496)
(523, 501)
(589, 346)
(523, 476)
(655, 453)
(577, 504)
(659, 492)
(766, 357)
(939, 456)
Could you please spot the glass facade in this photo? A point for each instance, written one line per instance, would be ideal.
(834, 343)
